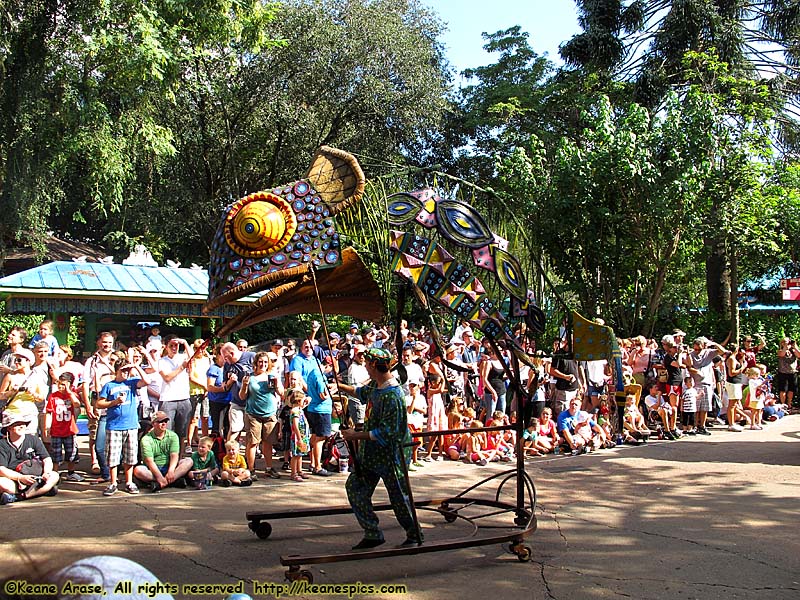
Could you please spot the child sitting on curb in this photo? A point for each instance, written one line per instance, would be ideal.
(234, 469)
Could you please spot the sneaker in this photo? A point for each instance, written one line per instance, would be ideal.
(110, 490)
(676, 434)
(254, 477)
(131, 488)
(411, 468)
(418, 464)
(703, 431)
(668, 436)
(691, 432)
(155, 487)
(367, 543)
(73, 476)
(575, 452)
(180, 483)
(285, 466)
(482, 462)
(735, 427)
(6, 498)
(322, 473)
(410, 542)
(188, 450)
(273, 474)
(226, 483)
(247, 483)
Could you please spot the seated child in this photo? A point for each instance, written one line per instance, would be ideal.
(476, 445)
(204, 464)
(532, 441)
(633, 422)
(547, 434)
(659, 408)
(495, 441)
(234, 469)
(63, 407)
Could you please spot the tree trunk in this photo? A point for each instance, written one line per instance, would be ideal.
(734, 298)
(718, 277)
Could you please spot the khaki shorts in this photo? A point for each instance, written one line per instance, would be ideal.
(261, 429)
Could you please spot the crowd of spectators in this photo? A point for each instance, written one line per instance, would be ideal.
(164, 412)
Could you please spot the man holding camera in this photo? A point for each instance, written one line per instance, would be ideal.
(174, 370)
(26, 469)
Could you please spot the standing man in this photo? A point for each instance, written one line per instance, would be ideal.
(238, 363)
(380, 452)
(319, 409)
(16, 341)
(701, 368)
(568, 378)
(97, 372)
(174, 369)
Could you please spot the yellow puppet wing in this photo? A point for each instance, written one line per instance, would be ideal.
(593, 341)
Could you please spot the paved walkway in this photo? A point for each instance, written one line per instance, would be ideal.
(701, 518)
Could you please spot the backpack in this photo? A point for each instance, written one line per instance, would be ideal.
(217, 446)
(333, 449)
(285, 435)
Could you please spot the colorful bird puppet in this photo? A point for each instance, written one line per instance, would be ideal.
(451, 284)
(283, 243)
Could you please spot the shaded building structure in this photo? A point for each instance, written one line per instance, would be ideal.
(128, 298)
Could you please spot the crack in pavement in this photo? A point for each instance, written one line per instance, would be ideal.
(669, 581)
(544, 579)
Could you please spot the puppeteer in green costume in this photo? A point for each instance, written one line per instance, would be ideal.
(382, 448)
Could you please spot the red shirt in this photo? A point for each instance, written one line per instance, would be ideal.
(60, 406)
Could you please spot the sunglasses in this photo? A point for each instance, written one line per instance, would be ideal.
(164, 420)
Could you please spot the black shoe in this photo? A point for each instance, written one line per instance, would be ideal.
(410, 542)
(226, 483)
(180, 483)
(368, 543)
(52, 491)
(155, 486)
(247, 483)
(285, 467)
(703, 431)
(271, 472)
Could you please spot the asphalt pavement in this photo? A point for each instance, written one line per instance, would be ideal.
(703, 517)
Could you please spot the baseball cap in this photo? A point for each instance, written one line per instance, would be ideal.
(24, 352)
(277, 343)
(10, 417)
(335, 336)
(679, 332)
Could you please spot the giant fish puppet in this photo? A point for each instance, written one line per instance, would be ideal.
(283, 244)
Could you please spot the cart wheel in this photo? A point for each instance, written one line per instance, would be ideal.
(263, 530)
(524, 554)
(305, 575)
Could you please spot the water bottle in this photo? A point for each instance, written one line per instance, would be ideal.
(557, 450)
(344, 465)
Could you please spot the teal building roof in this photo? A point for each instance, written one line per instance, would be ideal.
(91, 287)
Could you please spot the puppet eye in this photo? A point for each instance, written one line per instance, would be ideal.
(260, 225)
(460, 223)
(509, 273)
(403, 208)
